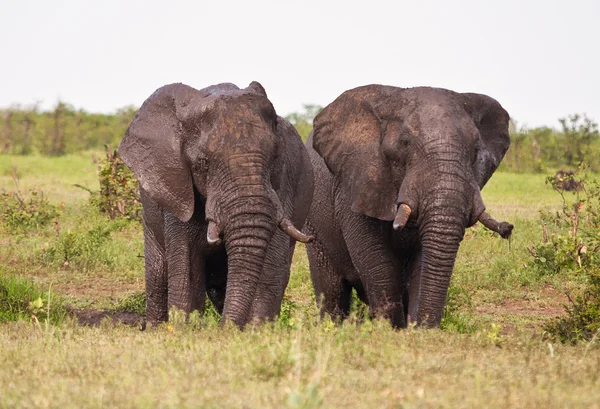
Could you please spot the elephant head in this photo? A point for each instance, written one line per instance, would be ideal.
(419, 154)
(225, 143)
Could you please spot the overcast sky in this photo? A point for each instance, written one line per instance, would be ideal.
(540, 59)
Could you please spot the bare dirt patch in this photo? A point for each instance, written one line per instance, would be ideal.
(530, 309)
(93, 318)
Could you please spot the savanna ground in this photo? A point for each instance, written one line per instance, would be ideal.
(491, 352)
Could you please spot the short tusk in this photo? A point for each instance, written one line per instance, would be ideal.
(288, 228)
(402, 216)
(213, 233)
(504, 229)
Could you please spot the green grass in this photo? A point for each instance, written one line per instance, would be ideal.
(313, 366)
(491, 352)
(512, 195)
(55, 176)
(21, 300)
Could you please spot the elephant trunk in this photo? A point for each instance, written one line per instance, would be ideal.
(441, 230)
(247, 234)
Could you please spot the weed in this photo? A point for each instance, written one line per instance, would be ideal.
(23, 212)
(286, 316)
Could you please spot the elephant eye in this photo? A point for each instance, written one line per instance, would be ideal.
(201, 165)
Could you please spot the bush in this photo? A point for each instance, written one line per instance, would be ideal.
(84, 247)
(574, 249)
(119, 194)
(582, 321)
(20, 212)
(21, 300)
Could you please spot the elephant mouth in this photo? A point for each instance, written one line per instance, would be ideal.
(213, 234)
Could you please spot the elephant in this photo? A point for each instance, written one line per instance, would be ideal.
(225, 186)
(398, 174)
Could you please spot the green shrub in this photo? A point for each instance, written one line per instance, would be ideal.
(21, 300)
(582, 321)
(20, 212)
(119, 194)
(286, 314)
(573, 249)
(86, 246)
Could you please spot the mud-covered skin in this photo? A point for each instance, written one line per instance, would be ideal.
(219, 157)
(414, 159)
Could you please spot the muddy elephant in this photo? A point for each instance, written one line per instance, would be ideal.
(398, 174)
(219, 172)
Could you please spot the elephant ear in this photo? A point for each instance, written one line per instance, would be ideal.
(152, 148)
(492, 121)
(348, 135)
(256, 88)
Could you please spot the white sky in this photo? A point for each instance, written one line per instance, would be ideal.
(540, 59)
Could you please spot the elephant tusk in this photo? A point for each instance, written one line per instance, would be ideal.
(402, 216)
(288, 228)
(504, 229)
(213, 233)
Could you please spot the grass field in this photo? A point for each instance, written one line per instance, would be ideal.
(491, 351)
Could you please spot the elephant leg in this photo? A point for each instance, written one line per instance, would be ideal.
(332, 291)
(186, 275)
(274, 278)
(379, 268)
(156, 279)
(155, 260)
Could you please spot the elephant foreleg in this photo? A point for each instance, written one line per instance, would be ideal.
(156, 262)
(156, 279)
(186, 269)
(379, 269)
(333, 292)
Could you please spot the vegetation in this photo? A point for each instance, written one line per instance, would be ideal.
(572, 249)
(21, 300)
(119, 194)
(26, 130)
(22, 213)
(544, 149)
(303, 121)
